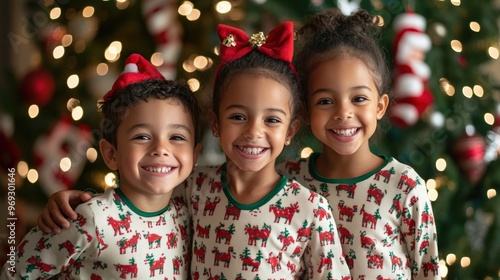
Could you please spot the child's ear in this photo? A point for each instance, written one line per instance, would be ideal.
(214, 124)
(196, 153)
(292, 130)
(108, 153)
(383, 103)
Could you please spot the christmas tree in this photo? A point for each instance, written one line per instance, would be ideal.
(49, 126)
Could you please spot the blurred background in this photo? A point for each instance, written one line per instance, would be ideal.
(58, 57)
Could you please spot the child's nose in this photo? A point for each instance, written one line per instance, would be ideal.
(343, 112)
(160, 148)
(253, 130)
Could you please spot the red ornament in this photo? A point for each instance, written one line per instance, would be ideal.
(469, 151)
(37, 87)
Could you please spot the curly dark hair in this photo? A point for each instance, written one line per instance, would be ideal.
(259, 64)
(114, 108)
(332, 35)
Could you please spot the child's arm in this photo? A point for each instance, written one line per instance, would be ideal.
(60, 206)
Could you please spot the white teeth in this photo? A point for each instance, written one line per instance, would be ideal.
(158, 169)
(345, 132)
(251, 151)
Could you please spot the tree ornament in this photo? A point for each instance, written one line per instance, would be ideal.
(162, 23)
(469, 151)
(60, 155)
(37, 87)
(411, 73)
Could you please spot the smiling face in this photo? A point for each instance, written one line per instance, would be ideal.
(155, 148)
(344, 105)
(254, 122)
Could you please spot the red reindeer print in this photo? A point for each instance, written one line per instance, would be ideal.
(366, 242)
(384, 173)
(42, 244)
(275, 262)
(346, 237)
(200, 179)
(349, 259)
(117, 225)
(80, 220)
(296, 252)
(396, 206)
(249, 261)
(196, 275)
(426, 217)
(183, 230)
(380, 277)
(215, 187)
(402, 180)
(209, 274)
(125, 243)
(155, 264)
(413, 200)
(254, 234)
(304, 233)
(176, 265)
(369, 219)
(172, 240)
(224, 257)
(349, 188)
(292, 267)
(410, 184)
(424, 245)
(286, 241)
(232, 210)
(375, 261)
(223, 234)
(410, 223)
(326, 261)
(286, 213)
(376, 193)
(210, 206)
(200, 252)
(312, 196)
(68, 246)
(195, 204)
(41, 266)
(125, 269)
(346, 211)
(154, 240)
(203, 232)
(295, 187)
(100, 242)
(432, 266)
(396, 262)
(292, 167)
(321, 213)
(94, 276)
(326, 237)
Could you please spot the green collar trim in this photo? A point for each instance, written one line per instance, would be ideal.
(225, 187)
(315, 175)
(137, 210)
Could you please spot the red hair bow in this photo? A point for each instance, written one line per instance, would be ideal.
(235, 43)
(137, 69)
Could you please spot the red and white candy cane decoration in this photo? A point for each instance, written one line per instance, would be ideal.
(63, 140)
(161, 20)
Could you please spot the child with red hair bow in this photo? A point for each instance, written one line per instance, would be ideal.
(287, 231)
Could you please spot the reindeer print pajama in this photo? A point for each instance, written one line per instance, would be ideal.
(384, 218)
(290, 234)
(111, 239)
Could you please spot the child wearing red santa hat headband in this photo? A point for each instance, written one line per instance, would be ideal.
(150, 139)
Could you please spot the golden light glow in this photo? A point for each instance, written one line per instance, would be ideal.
(441, 164)
(72, 103)
(491, 193)
(474, 26)
(194, 15)
(55, 13)
(456, 2)
(33, 111)
(58, 52)
(77, 113)
(451, 259)
(185, 8)
(73, 81)
(65, 164)
(478, 90)
(465, 262)
(32, 176)
(431, 184)
(22, 168)
(110, 179)
(489, 118)
(102, 69)
(493, 52)
(88, 11)
(188, 66)
(306, 152)
(194, 84)
(433, 195)
(157, 59)
(456, 46)
(223, 7)
(67, 40)
(200, 62)
(467, 91)
(91, 155)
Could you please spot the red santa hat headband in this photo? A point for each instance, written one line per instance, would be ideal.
(235, 43)
(137, 69)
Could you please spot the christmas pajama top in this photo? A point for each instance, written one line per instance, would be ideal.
(289, 234)
(111, 239)
(384, 219)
